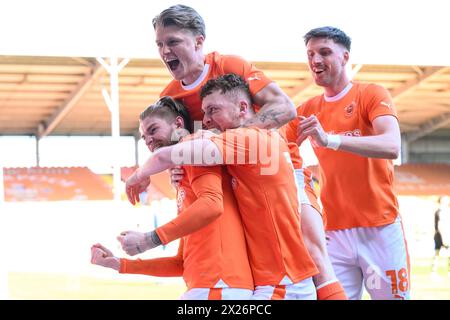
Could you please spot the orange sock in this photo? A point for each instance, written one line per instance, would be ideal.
(332, 291)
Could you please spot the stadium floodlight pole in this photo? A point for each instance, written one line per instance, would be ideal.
(39, 135)
(404, 153)
(136, 149)
(112, 101)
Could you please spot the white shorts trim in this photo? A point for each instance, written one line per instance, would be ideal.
(303, 290)
(227, 294)
(375, 257)
(300, 182)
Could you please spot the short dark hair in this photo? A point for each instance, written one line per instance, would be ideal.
(335, 34)
(183, 17)
(168, 108)
(227, 83)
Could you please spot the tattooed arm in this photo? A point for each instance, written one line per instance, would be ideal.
(276, 108)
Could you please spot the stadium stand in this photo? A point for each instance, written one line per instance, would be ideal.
(54, 184)
(422, 179)
(417, 179)
(73, 183)
(80, 183)
(160, 187)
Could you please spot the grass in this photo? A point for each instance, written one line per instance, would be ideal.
(86, 223)
(59, 286)
(426, 287)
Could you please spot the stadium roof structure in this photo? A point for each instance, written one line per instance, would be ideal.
(42, 95)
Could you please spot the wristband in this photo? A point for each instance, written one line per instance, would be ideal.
(152, 239)
(334, 141)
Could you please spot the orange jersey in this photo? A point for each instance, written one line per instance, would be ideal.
(264, 186)
(215, 65)
(217, 251)
(158, 267)
(356, 191)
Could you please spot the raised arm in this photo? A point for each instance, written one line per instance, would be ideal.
(208, 207)
(276, 108)
(198, 152)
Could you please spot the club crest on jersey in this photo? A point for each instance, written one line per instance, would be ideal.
(350, 109)
(181, 195)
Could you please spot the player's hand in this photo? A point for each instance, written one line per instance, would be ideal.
(101, 256)
(134, 186)
(176, 175)
(133, 242)
(311, 127)
(300, 136)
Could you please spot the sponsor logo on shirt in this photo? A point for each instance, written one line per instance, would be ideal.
(352, 133)
(349, 133)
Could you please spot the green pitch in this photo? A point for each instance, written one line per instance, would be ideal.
(58, 286)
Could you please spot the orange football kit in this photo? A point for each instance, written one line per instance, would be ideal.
(217, 65)
(264, 186)
(366, 238)
(212, 256)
